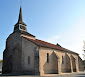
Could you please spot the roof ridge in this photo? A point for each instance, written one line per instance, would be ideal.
(46, 42)
(49, 45)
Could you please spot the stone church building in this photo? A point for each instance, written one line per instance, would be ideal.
(24, 54)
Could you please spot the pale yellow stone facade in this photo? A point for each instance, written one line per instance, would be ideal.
(56, 64)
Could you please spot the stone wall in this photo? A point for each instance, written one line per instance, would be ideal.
(68, 63)
(81, 67)
(18, 49)
(28, 49)
(51, 67)
(11, 58)
(73, 63)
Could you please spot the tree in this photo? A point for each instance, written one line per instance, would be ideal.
(84, 50)
(1, 61)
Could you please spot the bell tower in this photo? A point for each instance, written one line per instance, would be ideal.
(20, 25)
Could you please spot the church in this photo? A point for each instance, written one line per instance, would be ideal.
(25, 54)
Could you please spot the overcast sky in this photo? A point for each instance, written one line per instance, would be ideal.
(55, 21)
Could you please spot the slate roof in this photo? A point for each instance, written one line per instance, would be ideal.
(19, 22)
(26, 33)
(20, 19)
(49, 45)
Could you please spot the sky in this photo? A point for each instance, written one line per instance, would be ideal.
(54, 21)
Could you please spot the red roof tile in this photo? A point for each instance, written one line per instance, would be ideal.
(49, 45)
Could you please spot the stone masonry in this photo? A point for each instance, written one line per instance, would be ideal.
(24, 54)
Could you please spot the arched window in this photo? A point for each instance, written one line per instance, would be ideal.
(28, 59)
(62, 60)
(47, 57)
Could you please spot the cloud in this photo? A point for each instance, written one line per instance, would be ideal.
(53, 39)
(73, 39)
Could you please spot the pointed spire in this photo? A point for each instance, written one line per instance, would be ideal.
(20, 15)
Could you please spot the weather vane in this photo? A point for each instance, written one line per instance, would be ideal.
(20, 2)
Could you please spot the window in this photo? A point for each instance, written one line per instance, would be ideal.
(62, 60)
(22, 27)
(47, 57)
(28, 59)
(16, 27)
